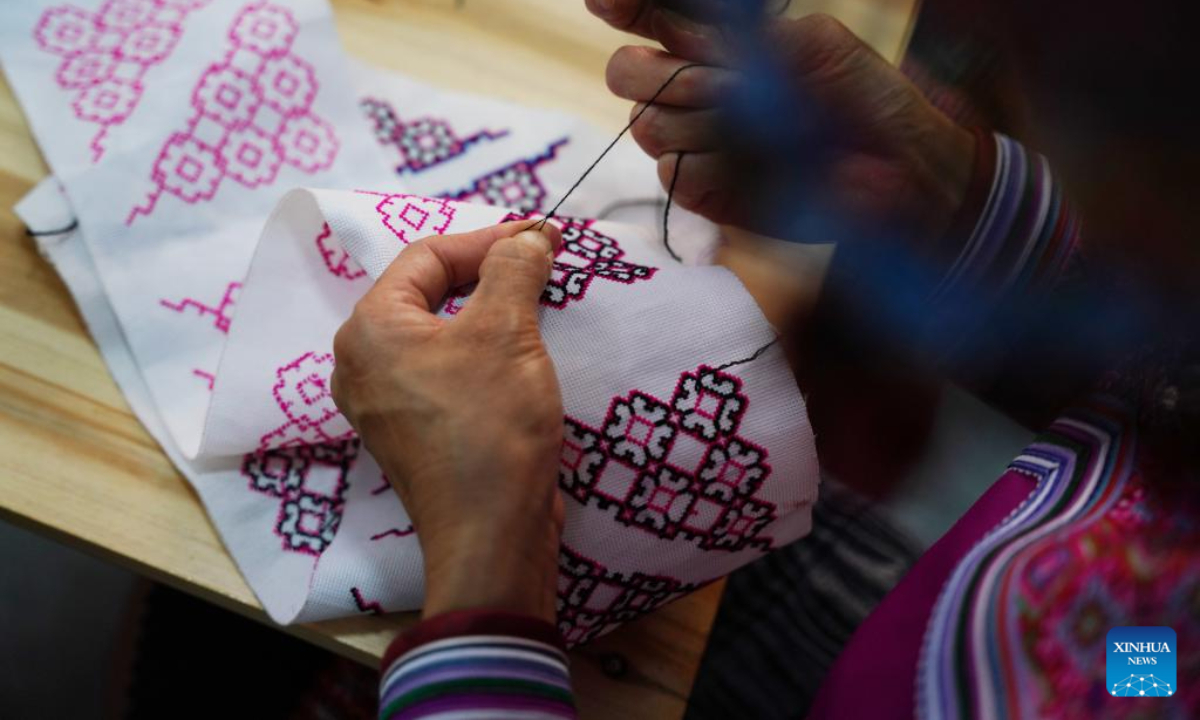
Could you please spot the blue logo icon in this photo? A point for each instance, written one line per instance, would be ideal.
(1141, 662)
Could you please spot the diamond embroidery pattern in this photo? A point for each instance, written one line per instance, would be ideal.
(677, 468)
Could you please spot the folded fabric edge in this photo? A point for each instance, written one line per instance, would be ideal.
(68, 254)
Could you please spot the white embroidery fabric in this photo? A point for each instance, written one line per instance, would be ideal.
(675, 471)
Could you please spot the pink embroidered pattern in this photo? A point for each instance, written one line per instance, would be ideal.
(207, 377)
(106, 54)
(422, 143)
(411, 217)
(337, 260)
(303, 394)
(585, 254)
(674, 468)
(514, 186)
(221, 313)
(252, 114)
(310, 483)
(593, 600)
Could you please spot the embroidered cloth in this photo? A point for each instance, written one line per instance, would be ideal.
(178, 130)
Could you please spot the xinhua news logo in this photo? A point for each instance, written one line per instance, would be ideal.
(1141, 662)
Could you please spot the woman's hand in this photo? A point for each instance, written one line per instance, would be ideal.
(464, 415)
(875, 150)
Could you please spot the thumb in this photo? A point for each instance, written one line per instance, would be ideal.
(513, 276)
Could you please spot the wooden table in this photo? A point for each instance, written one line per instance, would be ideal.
(76, 465)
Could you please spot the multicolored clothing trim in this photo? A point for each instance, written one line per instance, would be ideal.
(1027, 233)
(1019, 629)
(477, 664)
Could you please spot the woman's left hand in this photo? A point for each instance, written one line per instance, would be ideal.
(464, 415)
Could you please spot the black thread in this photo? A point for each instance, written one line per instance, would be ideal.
(61, 231)
(757, 354)
(667, 209)
(542, 223)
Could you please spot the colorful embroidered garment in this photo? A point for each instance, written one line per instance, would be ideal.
(1008, 614)
(214, 294)
(1020, 628)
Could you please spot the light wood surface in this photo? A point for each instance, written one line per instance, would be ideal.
(75, 463)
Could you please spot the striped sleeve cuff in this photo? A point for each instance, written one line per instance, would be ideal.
(1023, 234)
(1021, 243)
(477, 664)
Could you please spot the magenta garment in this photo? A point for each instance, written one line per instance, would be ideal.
(876, 672)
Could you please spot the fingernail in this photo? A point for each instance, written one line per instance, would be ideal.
(537, 240)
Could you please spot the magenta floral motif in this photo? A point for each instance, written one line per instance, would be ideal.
(106, 54)
(421, 143)
(302, 391)
(310, 483)
(188, 168)
(84, 70)
(250, 157)
(226, 95)
(337, 260)
(265, 29)
(107, 101)
(308, 143)
(148, 44)
(253, 113)
(412, 217)
(289, 85)
(677, 468)
(126, 14)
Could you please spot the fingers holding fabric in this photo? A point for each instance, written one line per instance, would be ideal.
(429, 268)
(511, 279)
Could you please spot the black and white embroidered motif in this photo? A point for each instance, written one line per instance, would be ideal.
(638, 429)
(709, 404)
(585, 254)
(515, 185)
(593, 600)
(310, 482)
(674, 469)
(422, 142)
